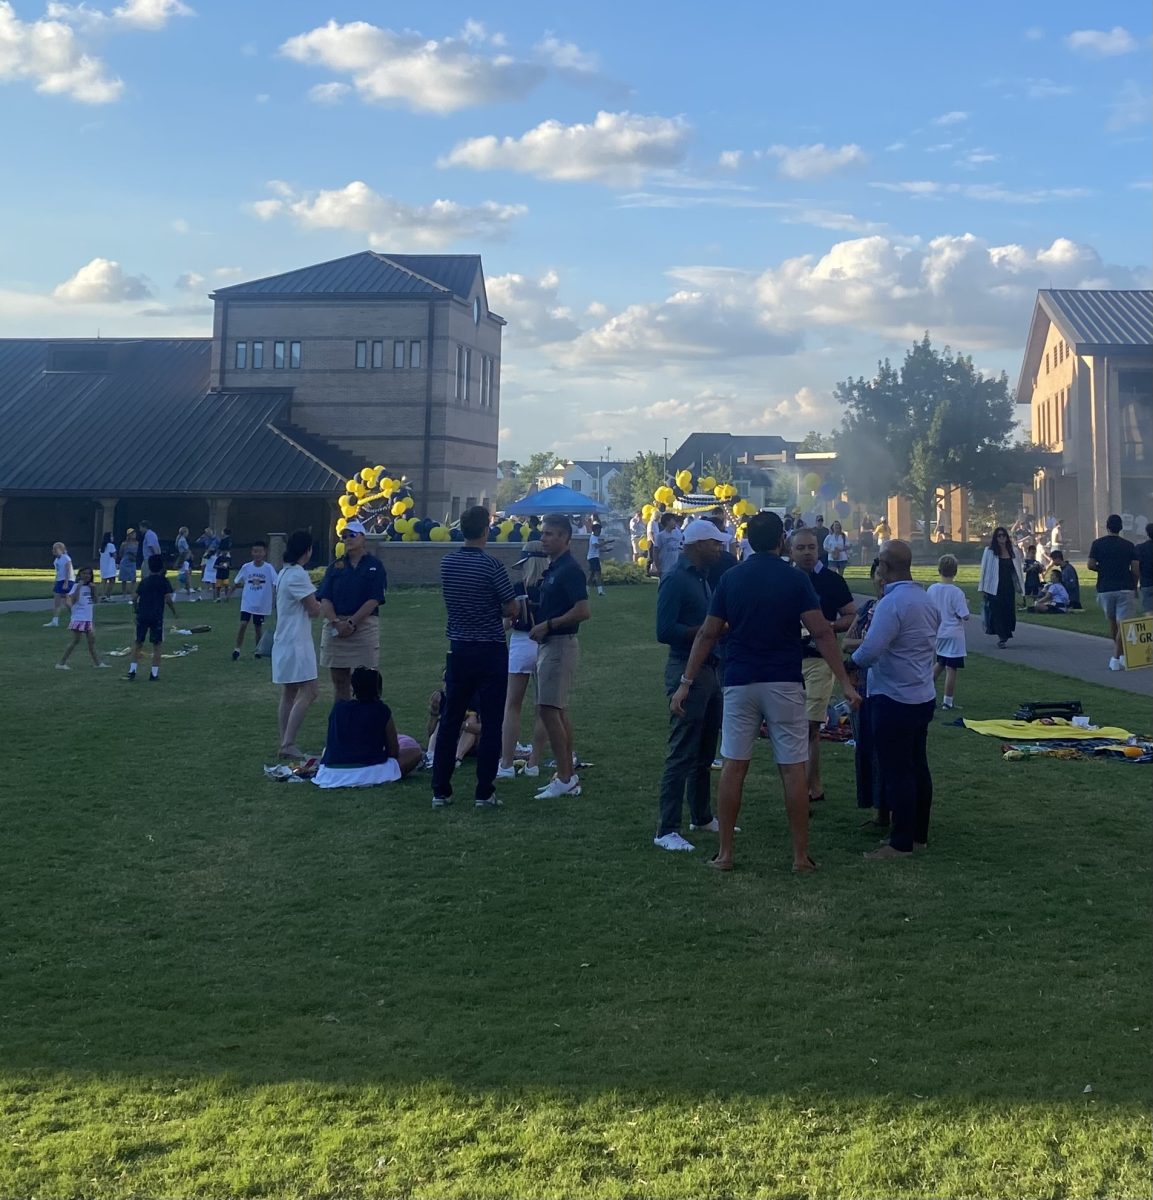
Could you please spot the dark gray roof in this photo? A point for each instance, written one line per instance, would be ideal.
(369, 274)
(591, 466)
(700, 448)
(1098, 318)
(144, 421)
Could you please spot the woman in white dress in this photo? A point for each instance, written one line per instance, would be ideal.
(837, 548)
(293, 648)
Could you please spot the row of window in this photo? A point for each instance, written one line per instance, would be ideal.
(370, 355)
(1057, 355)
(465, 390)
(280, 358)
(1053, 419)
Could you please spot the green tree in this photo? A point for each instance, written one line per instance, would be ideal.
(508, 486)
(815, 442)
(937, 420)
(648, 474)
(519, 477)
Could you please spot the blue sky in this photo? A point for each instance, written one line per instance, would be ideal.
(693, 218)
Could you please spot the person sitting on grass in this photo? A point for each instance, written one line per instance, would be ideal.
(82, 600)
(1054, 598)
(469, 736)
(362, 748)
(1070, 579)
(153, 594)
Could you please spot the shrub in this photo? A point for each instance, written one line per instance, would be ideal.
(622, 573)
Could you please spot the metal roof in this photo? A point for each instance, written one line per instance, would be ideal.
(145, 421)
(1091, 317)
(369, 274)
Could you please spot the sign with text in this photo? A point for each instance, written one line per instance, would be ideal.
(1137, 638)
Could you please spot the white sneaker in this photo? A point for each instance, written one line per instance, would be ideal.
(63, 667)
(523, 751)
(101, 666)
(1116, 664)
(673, 841)
(716, 765)
(506, 772)
(531, 772)
(51, 624)
(712, 827)
(557, 789)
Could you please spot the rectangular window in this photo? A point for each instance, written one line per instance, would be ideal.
(492, 383)
(577, 485)
(278, 356)
(258, 356)
(294, 355)
(454, 512)
(467, 374)
(1046, 362)
(459, 373)
(362, 354)
(378, 354)
(414, 354)
(241, 355)
(398, 354)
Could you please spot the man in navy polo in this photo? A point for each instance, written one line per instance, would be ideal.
(350, 594)
(564, 605)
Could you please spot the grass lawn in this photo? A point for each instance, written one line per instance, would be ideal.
(21, 583)
(215, 985)
(1089, 620)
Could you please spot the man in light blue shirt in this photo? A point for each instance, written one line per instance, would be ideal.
(899, 651)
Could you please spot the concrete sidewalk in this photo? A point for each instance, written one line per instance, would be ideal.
(1080, 655)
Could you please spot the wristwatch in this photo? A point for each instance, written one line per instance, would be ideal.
(686, 681)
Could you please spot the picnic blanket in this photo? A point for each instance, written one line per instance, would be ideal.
(1053, 729)
(1069, 750)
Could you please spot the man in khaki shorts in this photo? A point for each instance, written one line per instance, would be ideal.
(839, 607)
(563, 606)
(350, 594)
(763, 602)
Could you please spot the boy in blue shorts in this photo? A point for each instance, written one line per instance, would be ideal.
(152, 596)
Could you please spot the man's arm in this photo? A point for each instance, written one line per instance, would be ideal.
(671, 631)
(703, 645)
(846, 614)
(884, 628)
(825, 641)
(565, 623)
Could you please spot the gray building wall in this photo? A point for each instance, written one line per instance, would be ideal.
(416, 421)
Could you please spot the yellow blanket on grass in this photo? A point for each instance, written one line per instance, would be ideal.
(1024, 731)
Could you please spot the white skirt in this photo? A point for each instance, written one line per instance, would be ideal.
(522, 652)
(342, 777)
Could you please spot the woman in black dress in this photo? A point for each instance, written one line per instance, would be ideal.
(1002, 581)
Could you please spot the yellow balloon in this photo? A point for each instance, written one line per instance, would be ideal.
(648, 512)
(684, 480)
(408, 502)
(397, 509)
(339, 549)
(706, 483)
(366, 474)
(378, 471)
(643, 543)
(350, 484)
(340, 524)
(411, 537)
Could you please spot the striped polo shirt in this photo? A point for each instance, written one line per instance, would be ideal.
(475, 586)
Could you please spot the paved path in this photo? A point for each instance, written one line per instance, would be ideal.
(1081, 655)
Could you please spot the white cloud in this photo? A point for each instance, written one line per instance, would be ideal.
(190, 282)
(1102, 43)
(813, 162)
(824, 218)
(416, 72)
(1044, 88)
(956, 117)
(102, 281)
(328, 93)
(181, 226)
(1129, 107)
(925, 189)
(618, 149)
(567, 57)
(49, 54)
(388, 222)
(150, 15)
(532, 308)
(976, 158)
(730, 159)
(227, 272)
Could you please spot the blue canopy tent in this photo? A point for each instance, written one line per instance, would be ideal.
(555, 499)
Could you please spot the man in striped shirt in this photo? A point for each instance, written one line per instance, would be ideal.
(477, 596)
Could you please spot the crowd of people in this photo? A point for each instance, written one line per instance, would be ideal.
(753, 652)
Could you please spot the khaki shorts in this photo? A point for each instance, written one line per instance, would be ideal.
(556, 667)
(782, 708)
(818, 688)
(361, 649)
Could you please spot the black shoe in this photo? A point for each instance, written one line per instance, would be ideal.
(153, 678)
(236, 656)
(130, 677)
(491, 802)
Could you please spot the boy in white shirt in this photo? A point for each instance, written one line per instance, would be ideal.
(258, 579)
(949, 601)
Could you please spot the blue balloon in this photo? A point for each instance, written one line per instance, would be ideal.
(516, 536)
(534, 535)
(455, 535)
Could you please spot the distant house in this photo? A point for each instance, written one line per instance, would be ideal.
(751, 460)
(590, 477)
(1087, 377)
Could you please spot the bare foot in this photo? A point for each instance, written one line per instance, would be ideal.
(885, 852)
(293, 751)
(804, 866)
(720, 864)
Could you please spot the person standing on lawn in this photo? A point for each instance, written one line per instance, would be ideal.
(65, 578)
(682, 606)
(1116, 562)
(293, 650)
(839, 608)
(126, 569)
(477, 598)
(149, 542)
(1001, 581)
(107, 565)
(350, 594)
(258, 579)
(764, 602)
(952, 613)
(152, 596)
(82, 599)
(870, 792)
(564, 606)
(898, 652)
(1144, 571)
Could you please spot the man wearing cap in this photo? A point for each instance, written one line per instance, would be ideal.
(682, 606)
(351, 592)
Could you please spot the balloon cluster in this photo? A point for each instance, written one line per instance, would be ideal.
(677, 493)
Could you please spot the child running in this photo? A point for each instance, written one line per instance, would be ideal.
(184, 573)
(949, 601)
(153, 594)
(82, 600)
(596, 579)
(208, 573)
(258, 578)
(65, 578)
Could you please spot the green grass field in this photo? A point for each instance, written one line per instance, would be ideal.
(215, 985)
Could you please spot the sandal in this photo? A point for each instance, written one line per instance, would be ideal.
(717, 865)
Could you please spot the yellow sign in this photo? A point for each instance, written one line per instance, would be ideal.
(1137, 638)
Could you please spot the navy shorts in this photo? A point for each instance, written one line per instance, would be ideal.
(61, 587)
(257, 619)
(955, 663)
(149, 631)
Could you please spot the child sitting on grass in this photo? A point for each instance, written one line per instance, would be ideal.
(1054, 598)
(953, 611)
(82, 600)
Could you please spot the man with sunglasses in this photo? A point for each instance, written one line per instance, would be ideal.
(350, 594)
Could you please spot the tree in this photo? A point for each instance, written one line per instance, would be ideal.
(508, 486)
(815, 442)
(633, 486)
(519, 477)
(934, 422)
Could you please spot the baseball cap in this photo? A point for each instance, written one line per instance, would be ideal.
(354, 527)
(702, 531)
(527, 555)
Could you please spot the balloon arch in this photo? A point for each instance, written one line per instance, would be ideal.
(676, 495)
